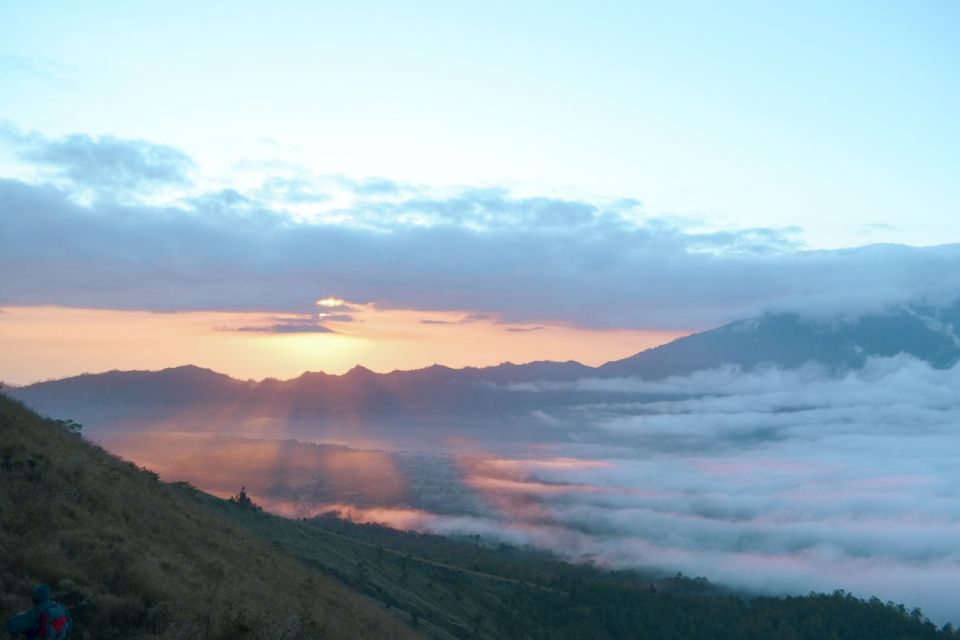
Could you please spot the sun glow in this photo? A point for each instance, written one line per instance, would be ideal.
(50, 342)
(331, 302)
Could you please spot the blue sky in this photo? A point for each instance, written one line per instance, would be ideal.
(840, 118)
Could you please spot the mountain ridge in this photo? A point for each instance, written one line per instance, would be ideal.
(785, 340)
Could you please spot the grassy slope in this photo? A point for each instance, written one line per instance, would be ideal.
(447, 601)
(136, 557)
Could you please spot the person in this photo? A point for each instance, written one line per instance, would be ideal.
(45, 619)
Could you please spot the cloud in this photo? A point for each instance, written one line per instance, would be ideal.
(291, 190)
(467, 319)
(524, 260)
(104, 163)
(286, 328)
(373, 186)
(293, 323)
(781, 481)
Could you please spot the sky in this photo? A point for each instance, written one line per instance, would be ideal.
(596, 179)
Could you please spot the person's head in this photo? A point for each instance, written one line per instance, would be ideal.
(41, 593)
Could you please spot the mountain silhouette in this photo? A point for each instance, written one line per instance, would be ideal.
(785, 340)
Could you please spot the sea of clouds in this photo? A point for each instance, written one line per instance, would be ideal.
(775, 481)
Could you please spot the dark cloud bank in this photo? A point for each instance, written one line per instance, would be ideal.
(86, 236)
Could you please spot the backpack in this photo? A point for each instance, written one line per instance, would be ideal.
(54, 623)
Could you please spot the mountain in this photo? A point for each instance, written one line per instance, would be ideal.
(480, 396)
(788, 340)
(134, 557)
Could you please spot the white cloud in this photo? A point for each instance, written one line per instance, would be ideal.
(782, 481)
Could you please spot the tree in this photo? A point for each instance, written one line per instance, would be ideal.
(243, 500)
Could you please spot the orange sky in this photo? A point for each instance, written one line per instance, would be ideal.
(40, 343)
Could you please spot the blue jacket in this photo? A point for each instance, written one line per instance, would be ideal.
(28, 622)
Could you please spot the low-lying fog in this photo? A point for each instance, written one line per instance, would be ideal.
(775, 481)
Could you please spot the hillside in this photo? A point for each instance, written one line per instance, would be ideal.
(134, 557)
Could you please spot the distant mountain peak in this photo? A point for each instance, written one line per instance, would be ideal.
(360, 370)
(790, 339)
(191, 369)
